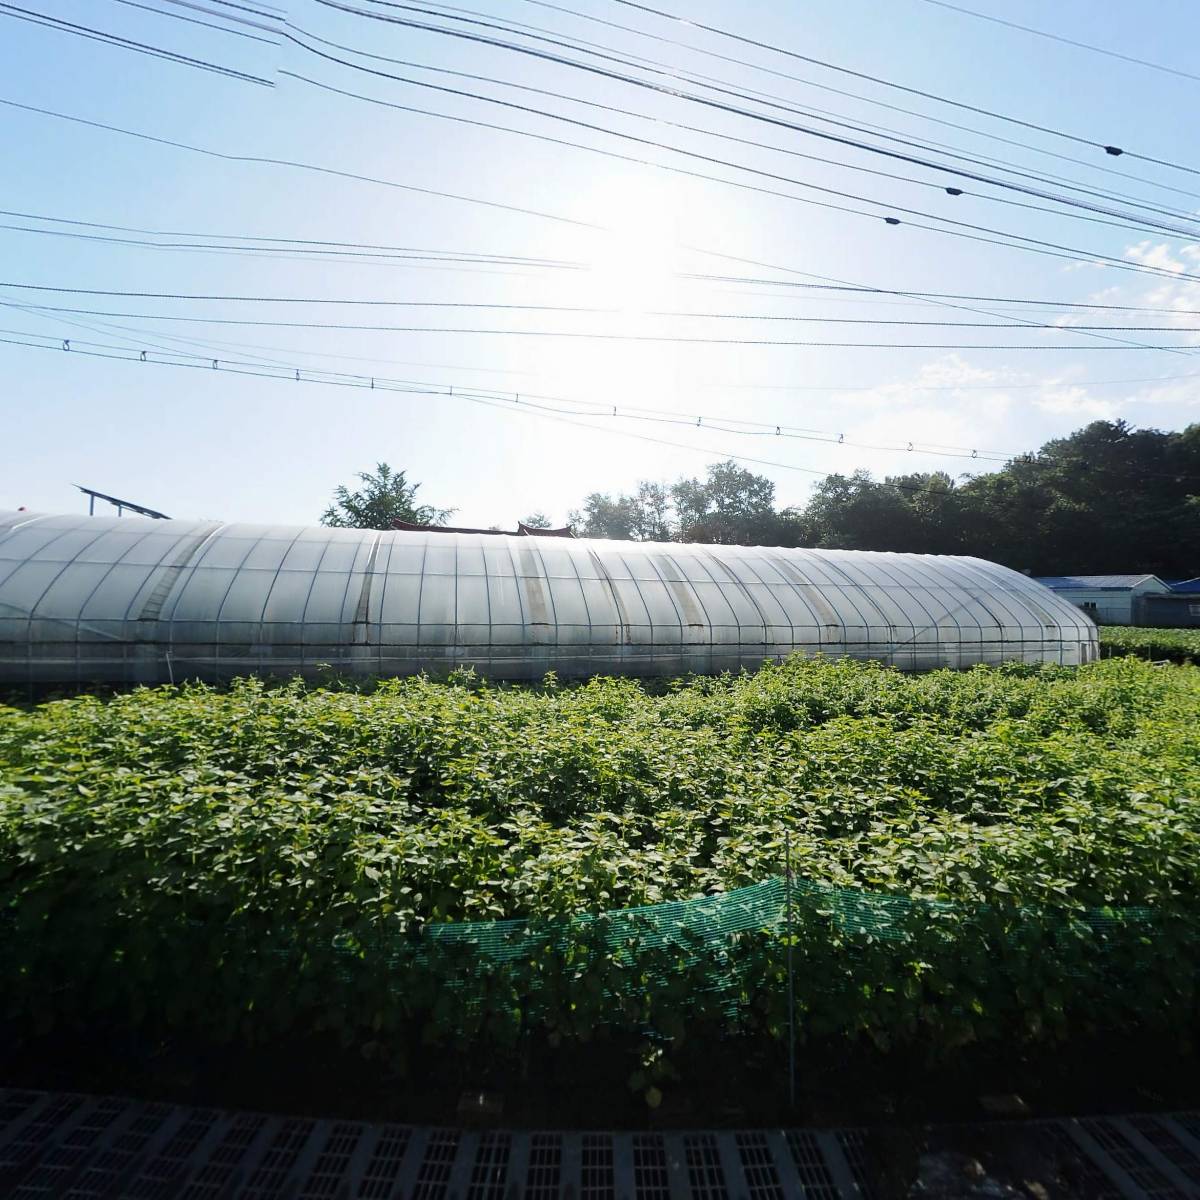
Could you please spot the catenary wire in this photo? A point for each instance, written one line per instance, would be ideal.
(1132, 222)
(224, 16)
(112, 39)
(224, 156)
(308, 245)
(303, 245)
(595, 336)
(161, 12)
(510, 403)
(1039, 248)
(605, 72)
(300, 166)
(739, 93)
(1115, 151)
(708, 53)
(1066, 41)
(555, 308)
(545, 412)
(981, 233)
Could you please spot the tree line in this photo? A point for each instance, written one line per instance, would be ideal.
(1107, 498)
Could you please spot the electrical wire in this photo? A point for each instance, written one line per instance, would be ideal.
(299, 166)
(421, 253)
(112, 39)
(1039, 248)
(859, 96)
(741, 93)
(224, 156)
(1066, 41)
(224, 16)
(1133, 223)
(196, 21)
(1115, 151)
(310, 245)
(197, 362)
(546, 412)
(554, 308)
(594, 336)
(674, 92)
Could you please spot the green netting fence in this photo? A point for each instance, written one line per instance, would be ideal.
(707, 922)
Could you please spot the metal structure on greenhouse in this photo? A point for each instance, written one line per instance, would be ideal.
(106, 600)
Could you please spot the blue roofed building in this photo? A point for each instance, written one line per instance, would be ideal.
(1130, 599)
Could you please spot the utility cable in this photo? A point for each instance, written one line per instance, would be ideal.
(111, 39)
(160, 12)
(619, 337)
(299, 166)
(979, 233)
(1115, 151)
(721, 106)
(422, 253)
(224, 156)
(1129, 221)
(1066, 41)
(859, 96)
(551, 308)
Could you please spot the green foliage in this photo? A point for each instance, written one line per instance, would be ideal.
(385, 497)
(1108, 498)
(259, 860)
(1171, 645)
(730, 506)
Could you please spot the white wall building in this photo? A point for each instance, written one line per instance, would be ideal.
(1110, 599)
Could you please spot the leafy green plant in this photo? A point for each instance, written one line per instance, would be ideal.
(1172, 645)
(260, 860)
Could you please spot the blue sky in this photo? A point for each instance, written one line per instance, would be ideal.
(203, 442)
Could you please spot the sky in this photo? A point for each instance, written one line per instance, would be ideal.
(507, 410)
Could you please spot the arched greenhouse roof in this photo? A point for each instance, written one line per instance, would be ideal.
(128, 600)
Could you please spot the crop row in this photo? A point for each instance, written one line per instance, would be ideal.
(267, 857)
(1171, 645)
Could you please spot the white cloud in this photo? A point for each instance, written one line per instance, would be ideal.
(1077, 402)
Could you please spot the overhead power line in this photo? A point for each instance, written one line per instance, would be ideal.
(111, 39)
(232, 241)
(516, 400)
(961, 228)
(308, 244)
(674, 92)
(1066, 41)
(299, 166)
(574, 309)
(221, 14)
(760, 67)
(513, 404)
(197, 21)
(1115, 151)
(964, 229)
(318, 169)
(618, 337)
(1133, 221)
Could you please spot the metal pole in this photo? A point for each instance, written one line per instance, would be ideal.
(791, 973)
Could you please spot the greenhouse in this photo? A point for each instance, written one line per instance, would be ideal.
(126, 600)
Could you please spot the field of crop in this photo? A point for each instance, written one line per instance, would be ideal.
(1172, 645)
(254, 861)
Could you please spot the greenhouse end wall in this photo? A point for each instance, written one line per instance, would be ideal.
(126, 600)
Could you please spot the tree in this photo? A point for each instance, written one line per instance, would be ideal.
(536, 520)
(732, 506)
(642, 517)
(386, 496)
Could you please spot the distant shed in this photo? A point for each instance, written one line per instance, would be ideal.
(1127, 599)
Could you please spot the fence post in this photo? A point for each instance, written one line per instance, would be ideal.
(791, 972)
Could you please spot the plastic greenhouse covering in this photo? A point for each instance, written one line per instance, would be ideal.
(127, 600)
